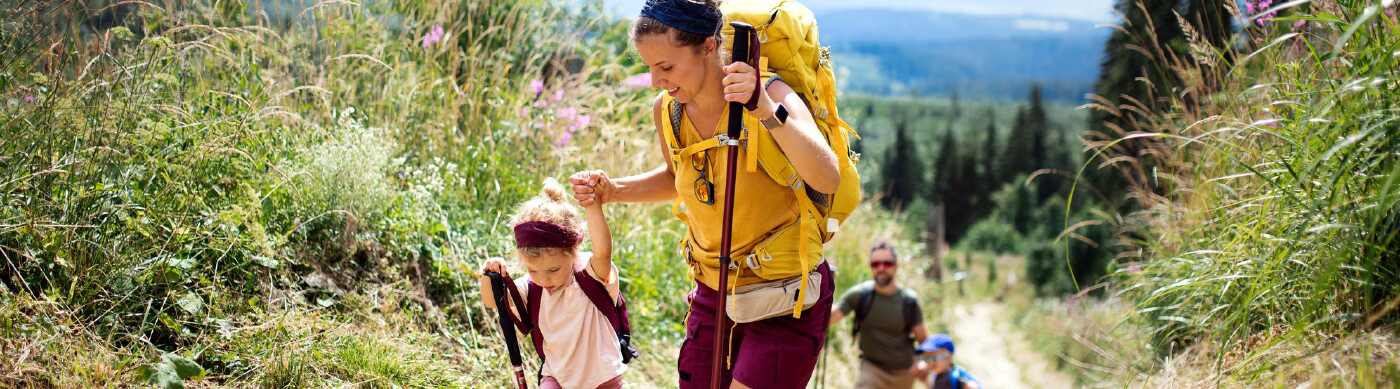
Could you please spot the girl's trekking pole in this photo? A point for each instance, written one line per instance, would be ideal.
(742, 50)
(498, 290)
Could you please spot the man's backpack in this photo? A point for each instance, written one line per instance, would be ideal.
(789, 48)
(909, 305)
(597, 294)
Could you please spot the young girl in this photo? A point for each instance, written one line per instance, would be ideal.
(580, 345)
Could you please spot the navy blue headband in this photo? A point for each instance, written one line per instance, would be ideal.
(685, 15)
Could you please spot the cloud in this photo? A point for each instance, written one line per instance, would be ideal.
(1042, 25)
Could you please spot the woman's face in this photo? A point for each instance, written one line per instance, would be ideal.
(681, 70)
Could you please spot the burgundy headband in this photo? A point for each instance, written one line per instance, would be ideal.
(544, 234)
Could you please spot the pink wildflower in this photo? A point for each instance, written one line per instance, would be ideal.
(433, 36)
(640, 81)
(581, 122)
(536, 86)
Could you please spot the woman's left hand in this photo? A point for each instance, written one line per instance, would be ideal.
(740, 79)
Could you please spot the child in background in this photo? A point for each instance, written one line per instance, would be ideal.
(935, 356)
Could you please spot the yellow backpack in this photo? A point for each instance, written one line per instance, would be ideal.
(789, 48)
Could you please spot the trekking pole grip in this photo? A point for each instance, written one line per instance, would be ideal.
(498, 292)
(743, 50)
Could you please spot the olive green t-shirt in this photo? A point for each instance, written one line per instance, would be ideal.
(884, 337)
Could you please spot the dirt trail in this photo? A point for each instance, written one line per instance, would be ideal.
(998, 355)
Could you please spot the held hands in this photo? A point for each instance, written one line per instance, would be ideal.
(592, 187)
(740, 80)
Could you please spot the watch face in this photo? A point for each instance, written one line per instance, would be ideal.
(781, 114)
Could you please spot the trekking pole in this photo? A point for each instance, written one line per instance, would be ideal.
(821, 370)
(826, 343)
(498, 286)
(743, 34)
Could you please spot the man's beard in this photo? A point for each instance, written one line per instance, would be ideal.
(884, 279)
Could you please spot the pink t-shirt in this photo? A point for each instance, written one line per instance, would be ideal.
(580, 346)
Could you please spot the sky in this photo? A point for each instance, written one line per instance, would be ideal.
(1090, 10)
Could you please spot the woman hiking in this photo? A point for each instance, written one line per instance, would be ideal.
(679, 41)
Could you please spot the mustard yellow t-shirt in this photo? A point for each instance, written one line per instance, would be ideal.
(762, 207)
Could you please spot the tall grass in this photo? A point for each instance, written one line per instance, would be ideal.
(1267, 231)
(195, 178)
(295, 194)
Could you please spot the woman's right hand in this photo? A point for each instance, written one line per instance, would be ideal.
(592, 187)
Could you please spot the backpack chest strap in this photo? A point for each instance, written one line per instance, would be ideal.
(677, 156)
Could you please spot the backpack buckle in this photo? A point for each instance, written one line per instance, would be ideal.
(752, 261)
(725, 140)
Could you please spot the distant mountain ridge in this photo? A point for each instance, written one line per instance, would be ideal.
(927, 53)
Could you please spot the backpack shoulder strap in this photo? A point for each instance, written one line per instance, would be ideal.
(671, 109)
(614, 310)
(676, 109)
(598, 294)
(671, 130)
(910, 306)
(523, 322)
(867, 297)
(532, 304)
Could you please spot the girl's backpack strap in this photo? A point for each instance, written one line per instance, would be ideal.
(523, 323)
(532, 304)
(614, 310)
(598, 294)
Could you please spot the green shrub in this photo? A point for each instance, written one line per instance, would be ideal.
(991, 235)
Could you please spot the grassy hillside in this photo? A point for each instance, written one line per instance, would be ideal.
(232, 195)
(1264, 251)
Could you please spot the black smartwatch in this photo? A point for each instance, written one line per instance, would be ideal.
(779, 118)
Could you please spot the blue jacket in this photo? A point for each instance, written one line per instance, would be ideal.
(952, 379)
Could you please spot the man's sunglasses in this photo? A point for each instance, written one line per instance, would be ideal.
(881, 264)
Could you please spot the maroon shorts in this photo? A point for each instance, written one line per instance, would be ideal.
(776, 353)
